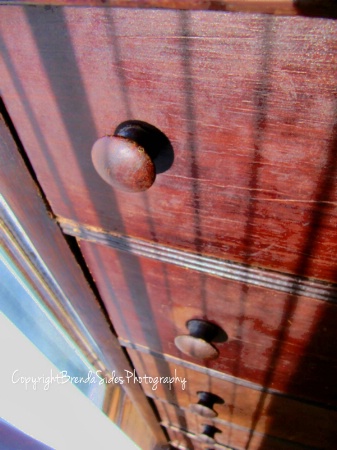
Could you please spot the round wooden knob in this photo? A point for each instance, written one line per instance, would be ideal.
(204, 407)
(125, 160)
(198, 343)
(208, 433)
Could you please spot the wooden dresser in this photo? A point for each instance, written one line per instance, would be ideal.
(221, 274)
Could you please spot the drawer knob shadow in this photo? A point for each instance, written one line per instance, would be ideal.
(130, 159)
(198, 344)
(207, 435)
(204, 407)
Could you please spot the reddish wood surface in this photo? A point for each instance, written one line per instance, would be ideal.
(188, 441)
(279, 416)
(319, 8)
(286, 7)
(248, 102)
(231, 435)
(277, 340)
(182, 441)
(225, 269)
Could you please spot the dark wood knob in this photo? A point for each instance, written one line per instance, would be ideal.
(125, 160)
(198, 343)
(204, 407)
(207, 435)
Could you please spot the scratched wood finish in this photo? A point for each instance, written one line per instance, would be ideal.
(291, 284)
(247, 101)
(231, 434)
(277, 340)
(319, 8)
(284, 7)
(264, 413)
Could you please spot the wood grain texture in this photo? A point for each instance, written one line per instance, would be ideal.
(281, 341)
(24, 198)
(263, 6)
(184, 441)
(285, 7)
(280, 416)
(123, 413)
(247, 101)
(231, 435)
(318, 8)
(201, 263)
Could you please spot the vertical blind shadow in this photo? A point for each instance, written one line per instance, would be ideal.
(34, 120)
(260, 100)
(53, 41)
(324, 192)
(191, 141)
(111, 29)
(130, 263)
(192, 149)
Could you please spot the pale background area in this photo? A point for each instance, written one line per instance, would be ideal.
(61, 416)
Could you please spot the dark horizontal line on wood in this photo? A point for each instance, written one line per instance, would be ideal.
(313, 8)
(217, 267)
(220, 375)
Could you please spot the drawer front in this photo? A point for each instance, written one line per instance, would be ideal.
(247, 101)
(187, 441)
(265, 413)
(274, 339)
(239, 438)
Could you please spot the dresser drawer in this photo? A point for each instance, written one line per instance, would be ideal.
(247, 101)
(244, 405)
(229, 434)
(278, 340)
(187, 441)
